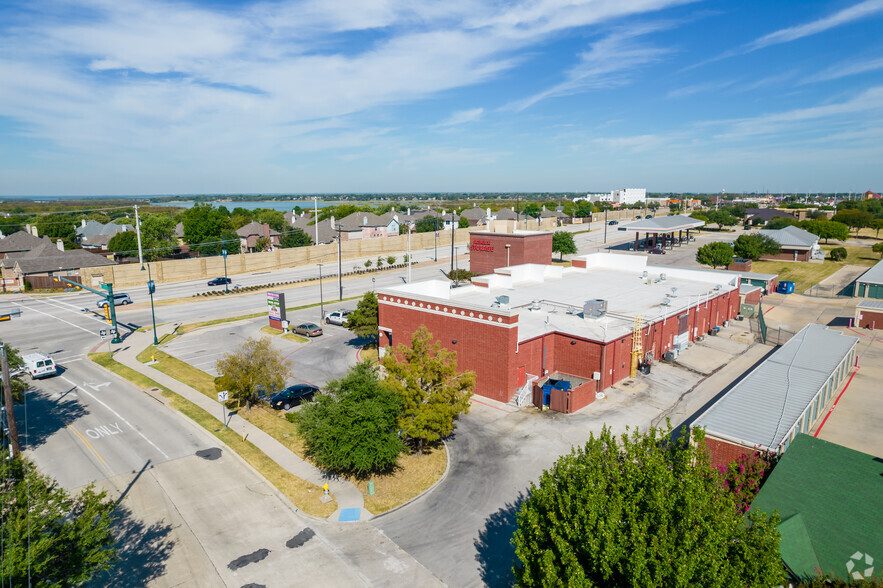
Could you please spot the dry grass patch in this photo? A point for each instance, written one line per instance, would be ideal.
(294, 337)
(303, 494)
(369, 354)
(414, 475)
(180, 370)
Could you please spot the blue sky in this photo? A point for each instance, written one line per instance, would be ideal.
(147, 97)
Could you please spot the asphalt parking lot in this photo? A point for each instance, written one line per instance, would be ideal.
(315, 362)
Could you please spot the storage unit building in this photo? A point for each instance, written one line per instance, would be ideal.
(787, 394)
(869, 314)
(489, 250)
(870, 283)
(524, 323)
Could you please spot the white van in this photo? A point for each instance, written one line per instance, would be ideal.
(39, 365)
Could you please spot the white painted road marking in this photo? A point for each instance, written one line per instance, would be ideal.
(104, 431)
(55, 317)
(117, 414)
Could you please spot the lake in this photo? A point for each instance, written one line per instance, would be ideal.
(284, 206)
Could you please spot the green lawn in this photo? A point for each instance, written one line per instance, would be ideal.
(808, 274)
(180, 370)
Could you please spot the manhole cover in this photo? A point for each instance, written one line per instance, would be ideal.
(212, 453)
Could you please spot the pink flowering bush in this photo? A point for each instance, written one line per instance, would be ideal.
(744, 477)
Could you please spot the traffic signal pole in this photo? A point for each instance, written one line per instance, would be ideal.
(108, 296)
(7, 401)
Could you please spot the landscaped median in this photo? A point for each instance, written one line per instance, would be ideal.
(298, 491)
(413, 476)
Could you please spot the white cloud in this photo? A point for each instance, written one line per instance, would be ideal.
(461, 117)
(608, 63)
(685, 91)
(843, 70)
(842, 17)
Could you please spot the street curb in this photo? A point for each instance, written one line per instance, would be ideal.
(428, 490)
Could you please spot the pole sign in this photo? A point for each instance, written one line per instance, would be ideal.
(224, 253)
(223, 396)
(276, 309)
(102, 333)
(151, 287)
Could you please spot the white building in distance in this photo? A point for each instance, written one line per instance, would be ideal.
(624, 196)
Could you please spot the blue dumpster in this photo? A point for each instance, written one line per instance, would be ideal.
(785, 287)
(556, 384)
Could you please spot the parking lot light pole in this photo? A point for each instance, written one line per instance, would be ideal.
(321, 298)
(226, 286)
(151, 288)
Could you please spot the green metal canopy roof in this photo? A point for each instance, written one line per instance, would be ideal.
(830, 499)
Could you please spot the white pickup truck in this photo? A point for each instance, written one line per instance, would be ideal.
(39, 365)
(338, 317)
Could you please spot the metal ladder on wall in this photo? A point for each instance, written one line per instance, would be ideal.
(637, 346)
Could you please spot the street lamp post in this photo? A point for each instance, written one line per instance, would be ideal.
(409, 252)
(507, 254)
(321, 298)
(151, 288)
(226, 287)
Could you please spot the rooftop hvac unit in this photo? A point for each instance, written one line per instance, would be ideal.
(662, 277)
(501, 302)
(645, 274)
(571, 310)
(670, 355)
(595, 308)
(718, 287)
(673, 290)
(666, 301)
(535, 305)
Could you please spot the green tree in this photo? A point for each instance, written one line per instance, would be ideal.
(583, 209)
(755, 246)
(363, 322)
(463, 223)
(58, 226)
(854, 219)
(699, 216)
(14, 362)
(428, 223)
(158, 236)
(274, 218)
(722, 218)
(50, 537)
(877, 225)
(531, 209)
(253, 368)
(715, 254)
(351, 429)
(838, 254)
(826, 229)
(124, 241)
(205, 225)
(433, 393)
(562, 244)
(295, 238)
(641, 510)
(878, 248)
(780, 222)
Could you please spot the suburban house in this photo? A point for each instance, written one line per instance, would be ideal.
(761, 216)
(95, 235)
(795, 243)
(250, 233)
(477, 216)
(21, 242)
(557, 214)
(38, 266)
(324, 228)
(367, 225)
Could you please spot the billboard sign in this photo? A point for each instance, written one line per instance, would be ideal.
(276, 306)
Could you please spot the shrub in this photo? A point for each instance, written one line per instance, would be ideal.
(838, 254)
(368, 263)
(391, 260)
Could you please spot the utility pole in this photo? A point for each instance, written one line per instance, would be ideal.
(321, 298)
(138, 234)
(409, 253)
(605, 225)
(339, 267)
(316, 218)
(7, 399)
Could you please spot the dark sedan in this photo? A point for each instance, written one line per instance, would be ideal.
(219, 281)
(292, 396)
(308, 329)
(656, 251)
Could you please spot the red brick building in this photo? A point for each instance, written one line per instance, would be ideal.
(526, 322)
(489, 251)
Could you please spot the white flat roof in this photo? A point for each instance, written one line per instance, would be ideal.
(665, 224)
(562, 292)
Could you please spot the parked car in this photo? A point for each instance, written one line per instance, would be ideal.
(39, 365)
(308, 329)
(219, 281)
(656, 251)
(622, 229)
(292, 396)
(613, 222)
(338, 317)
(118, 299)
(649, 216)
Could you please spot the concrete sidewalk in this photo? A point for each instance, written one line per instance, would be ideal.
(350, 504)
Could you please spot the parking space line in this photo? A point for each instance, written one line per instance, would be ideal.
(116, 413)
